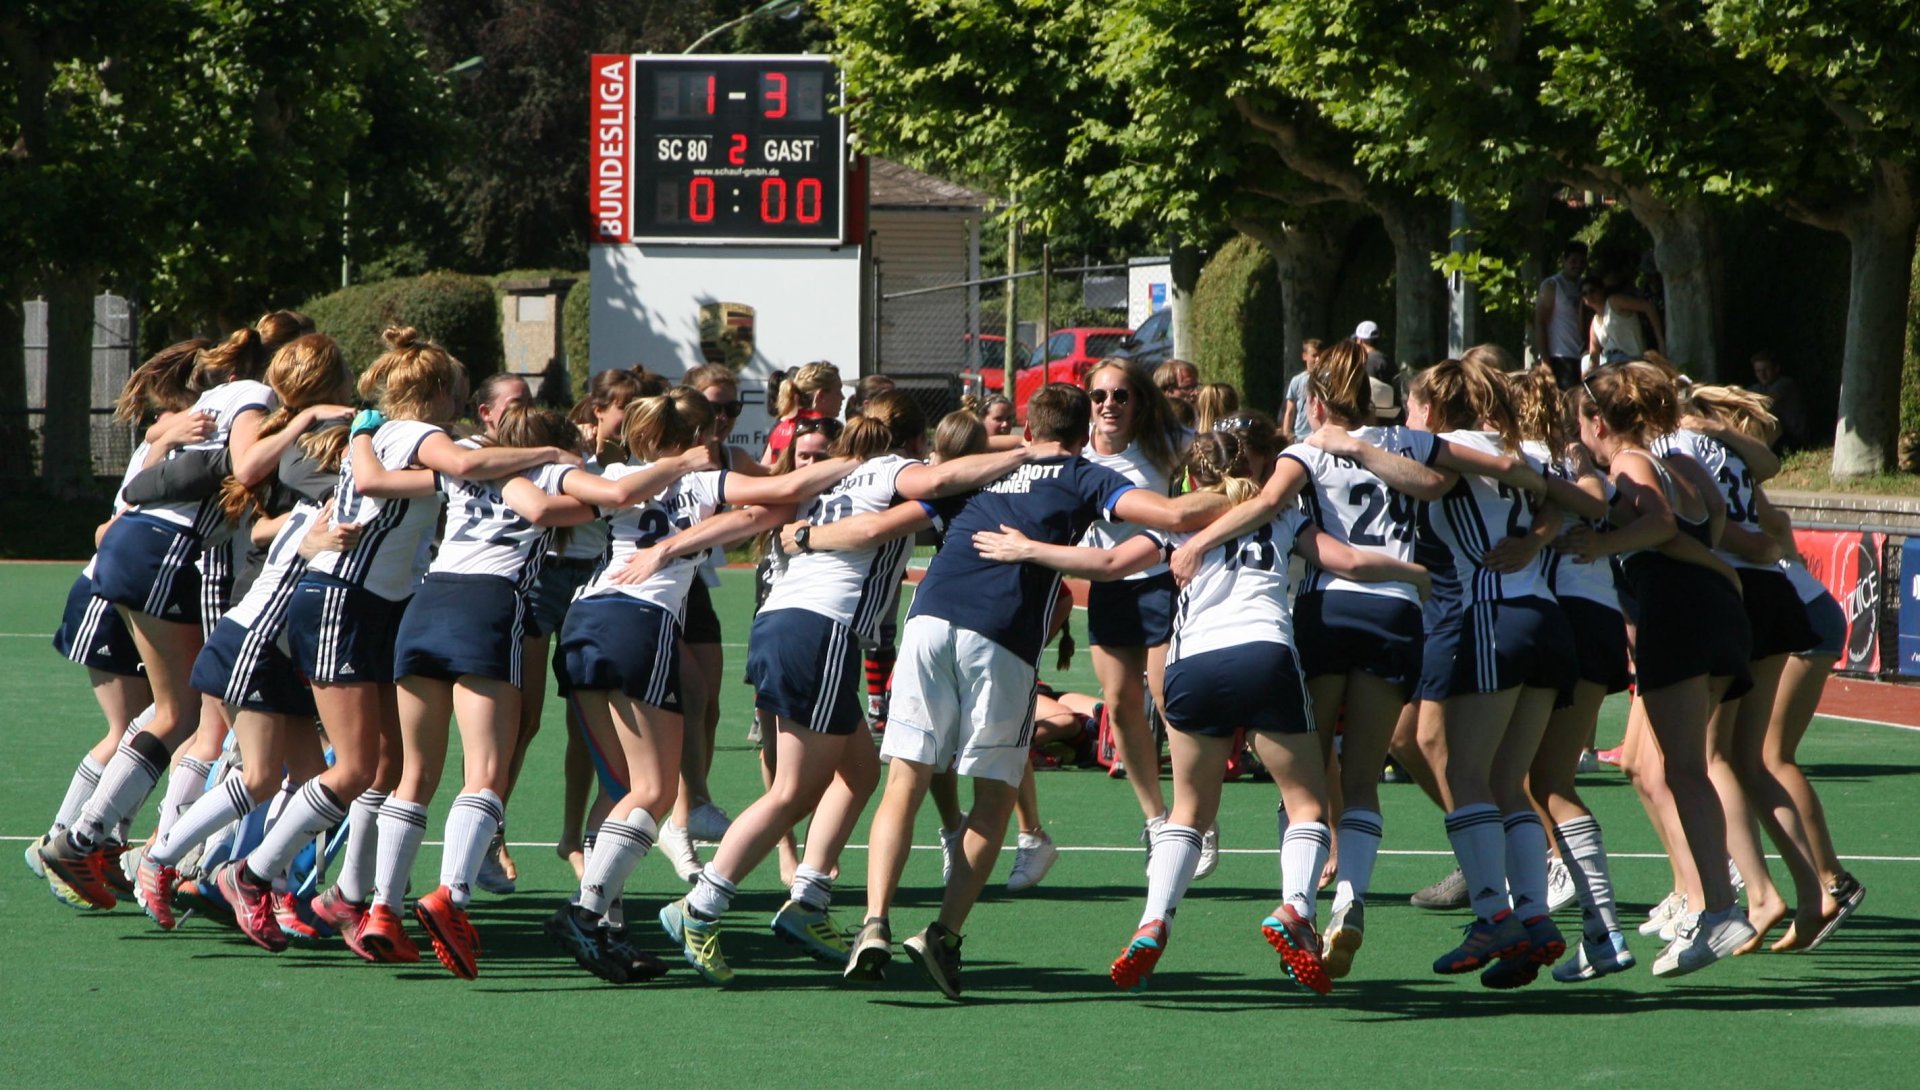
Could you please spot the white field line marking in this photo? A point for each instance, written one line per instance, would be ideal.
(1436, 852)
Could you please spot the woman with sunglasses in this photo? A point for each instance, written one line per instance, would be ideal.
(810, 393)
(1130, 620)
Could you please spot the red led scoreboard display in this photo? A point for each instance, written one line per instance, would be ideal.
(718, 149)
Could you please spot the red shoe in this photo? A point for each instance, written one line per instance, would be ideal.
(1610, 756)
(1135, 964)
(381, 938)
(157, 881)
(341, 916)
(1298, 946)
(252, 907)
(113, 872)
(455, 942)
(287, 914)
(81, 871)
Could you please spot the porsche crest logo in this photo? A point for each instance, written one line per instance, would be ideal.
(726, 334)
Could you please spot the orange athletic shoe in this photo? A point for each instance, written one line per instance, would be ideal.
(252, 907)
(1135, 964)
(1299, 948)
(334, 911)
(157, 881)
(455, 942)
(81, 871)
(381, 938)
(287, 914)
(114, 871)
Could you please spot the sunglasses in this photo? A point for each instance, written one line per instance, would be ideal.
(828, 427)
(1232, 423)
(1120, 395)
(728, 408)
(1173, 387)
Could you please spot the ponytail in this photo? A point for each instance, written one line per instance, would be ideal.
(890, 420)
(161, 383)
(241, 356)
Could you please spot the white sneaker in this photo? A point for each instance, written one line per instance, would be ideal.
(1033, 857)
(1560, 888)
(1209, 851)
(678, 847)
(493, 877)
(950, 848)
(1701, 939)
(708, 822)
(1663, 913)
(1591, 960)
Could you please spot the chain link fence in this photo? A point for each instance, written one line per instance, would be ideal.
(116, 331)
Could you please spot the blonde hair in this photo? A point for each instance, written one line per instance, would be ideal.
(808, 380)
(277, 327)
(958, 434)
(411, 375)
(664, 425)
(1337, 378)
(1747, 412)
(1217, 462)
(1635, 400)
(160, 383)
(711, 374)
(307, 371)
(889, 420)
(240, 356)
(1536, 407)
(1462, 395)
(1215, 401)
(1154, 427)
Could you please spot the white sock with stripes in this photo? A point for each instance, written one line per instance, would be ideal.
(711, 895)
(403, 825)
(314, 810)
(619, 848)
(470, 826)
(1585, 855)
(811, 888)
(357, 859)
(1303, 855)
(1526, 875)
(1479, 843)
(1360, 832)
(85, 779)
(186, 782)
(226, 803)
(1176, 855)
(124, 784)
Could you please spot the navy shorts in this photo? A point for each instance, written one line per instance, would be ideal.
(1829, 623)
(1339, 631)
(1131, 612)
(1256, 685)
(147, 564)
(806, 667)
(702, 624)
(1521, 642)
(1438, 650)
(612, 641)
(460, 625)
(553, 590)
(1775, 613)
(341, 634)
(1600, 641)
(1690, 624)
(247, 670)
(93, 634)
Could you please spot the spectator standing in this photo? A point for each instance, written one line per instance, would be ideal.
(1559, 331)
(1378, 365)
(1293, 415)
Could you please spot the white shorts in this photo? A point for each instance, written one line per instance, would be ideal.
(960, 700)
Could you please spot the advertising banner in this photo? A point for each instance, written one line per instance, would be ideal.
(1848, 563)
(1910, 607)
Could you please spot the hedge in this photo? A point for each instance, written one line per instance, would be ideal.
(574, 322)
(452, 309)
(1237, 323)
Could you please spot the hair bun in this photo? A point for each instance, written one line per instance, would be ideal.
(400, 338)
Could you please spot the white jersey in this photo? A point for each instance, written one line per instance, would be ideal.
(1240, 594)
(1476, 515)
(396, 535)
(853, 588)
(689, 500)
(485, 536)
(589, 540)
(263, 609)
(1568, 577)
(1352, 506)
(224, 403)
(1730, 472)
(1132, 464)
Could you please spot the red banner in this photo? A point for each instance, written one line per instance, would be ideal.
(1848, 563)
(610, 177)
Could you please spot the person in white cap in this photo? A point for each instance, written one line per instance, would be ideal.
(1368, 334)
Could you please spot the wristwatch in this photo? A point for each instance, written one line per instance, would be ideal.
(800, 537)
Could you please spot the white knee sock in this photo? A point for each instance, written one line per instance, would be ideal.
(1360, 832)
(357, 859)
(620, 847)
(470, 827)
(210, 813)
(1585, 855)
(314, 810)
(1526, 873)
(1479, 843)
(403, 825)
(85, 779)
(124, 784)
(1176, 855)
(186, 782)
(1303, 854)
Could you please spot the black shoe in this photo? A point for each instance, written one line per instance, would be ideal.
(937, 952)
(640, 965)
(579, 934)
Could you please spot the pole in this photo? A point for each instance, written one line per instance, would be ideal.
(1012, 330)
(1046, 305)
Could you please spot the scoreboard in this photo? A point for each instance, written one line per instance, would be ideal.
(718, 150)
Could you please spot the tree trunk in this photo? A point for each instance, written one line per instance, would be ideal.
(1417, 229)
(66, 450)
(1683, 246)
(16, 438)
(1307, 254)
(1880, 231)
(1185, 275)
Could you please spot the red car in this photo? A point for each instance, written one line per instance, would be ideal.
(1067, 356)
